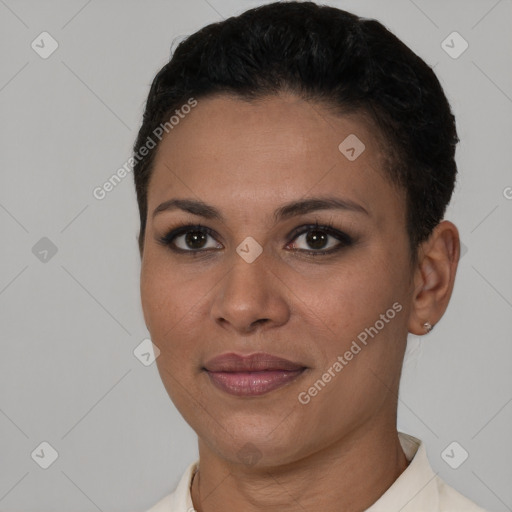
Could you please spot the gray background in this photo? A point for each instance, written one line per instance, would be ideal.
(69, 324)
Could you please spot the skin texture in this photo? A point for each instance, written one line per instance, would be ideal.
(340, 451)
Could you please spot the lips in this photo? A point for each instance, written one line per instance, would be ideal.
(253, 363)
(251, 375)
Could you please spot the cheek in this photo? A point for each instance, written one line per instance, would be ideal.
(173, 303)
(166, 304)
(346, 308)
(350, 294)
(160, 298)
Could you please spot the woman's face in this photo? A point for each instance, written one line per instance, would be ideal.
(256, 281)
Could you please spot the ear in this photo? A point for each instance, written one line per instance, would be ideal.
(434, 277)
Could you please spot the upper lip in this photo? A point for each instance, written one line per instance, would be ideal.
(231, 362)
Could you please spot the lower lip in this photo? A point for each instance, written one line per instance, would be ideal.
(252, 383)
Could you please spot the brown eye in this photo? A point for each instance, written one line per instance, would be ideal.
(195, 239)
(190, 239)
(317, 239)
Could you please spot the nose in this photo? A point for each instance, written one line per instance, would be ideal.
(250, 295)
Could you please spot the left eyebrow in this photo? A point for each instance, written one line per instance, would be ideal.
(317, 203)
(286, 211)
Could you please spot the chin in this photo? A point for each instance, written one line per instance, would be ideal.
(251, 441)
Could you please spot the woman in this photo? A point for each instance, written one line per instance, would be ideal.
(292, 171)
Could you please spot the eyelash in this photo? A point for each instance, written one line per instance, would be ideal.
(344, 239)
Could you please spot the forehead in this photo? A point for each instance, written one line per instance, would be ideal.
(269, 151)
(227, 126)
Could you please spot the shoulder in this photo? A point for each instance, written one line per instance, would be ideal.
(179, 500)
(164, 505)
(451, 500)
(419, 488)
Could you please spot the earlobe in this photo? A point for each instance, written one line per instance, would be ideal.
(434, 278)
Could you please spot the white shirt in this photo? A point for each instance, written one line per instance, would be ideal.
(417, 489)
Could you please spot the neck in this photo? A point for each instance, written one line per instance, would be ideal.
(349, 475)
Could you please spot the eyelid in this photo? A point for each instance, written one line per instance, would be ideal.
(167, 240)
(343, 238)
(327, 227)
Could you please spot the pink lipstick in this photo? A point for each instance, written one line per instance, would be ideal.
(251, 375)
